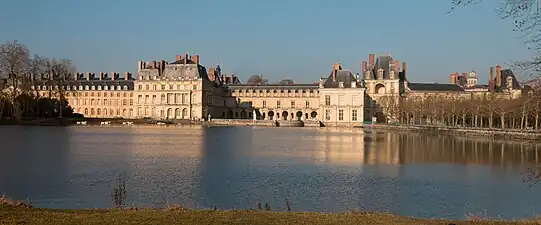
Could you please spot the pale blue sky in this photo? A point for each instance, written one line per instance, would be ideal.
(297, 39)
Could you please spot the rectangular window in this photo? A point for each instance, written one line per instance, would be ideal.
(354, 115)
(307, 104)
(264, 104)
(292, 104)
(131, 101)
(278, 103)
(146, 99)
(124, 102)
(327, 100)
(340, 114)
(327, 114)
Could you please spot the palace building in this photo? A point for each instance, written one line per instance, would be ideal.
(186, 90)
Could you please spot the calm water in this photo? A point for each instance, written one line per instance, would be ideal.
(325, 170)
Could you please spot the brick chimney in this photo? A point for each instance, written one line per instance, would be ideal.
(371, 57)
(195, 59)
(88, 75)
(211, 74)
(127, 76)
(491, 80)
(178, 58)
(154, 65)
(101, 75)
(404, 67)
(363, 66)
(452, 79)
(112, 75)
(185, 58)
(498, 75)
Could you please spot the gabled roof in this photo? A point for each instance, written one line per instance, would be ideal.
(509, 73)
(345, 76)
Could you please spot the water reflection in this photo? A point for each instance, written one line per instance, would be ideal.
(327, 169)
(26, 165)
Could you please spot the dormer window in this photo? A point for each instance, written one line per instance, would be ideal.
(341, 84)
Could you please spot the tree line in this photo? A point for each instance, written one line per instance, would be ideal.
(493, 110)
(20, 71)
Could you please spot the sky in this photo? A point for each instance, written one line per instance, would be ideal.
(280, 39)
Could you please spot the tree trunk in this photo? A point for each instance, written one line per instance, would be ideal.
(537, 121)
(490, 120)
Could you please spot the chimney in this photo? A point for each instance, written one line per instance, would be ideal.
(178, 58)
(101, 75)
(232, 78)
(162, 66)
(195, 59)
(371, 61)
(76, 77)
(465, 75)
(127, 76)
(139, 65)
(404, 67)
(452, 79)
(185, 58)
(491, 80)
(211, 74)
(498, 75)
(364, 67)
(88, 75)
(396, 66)
(154, 65)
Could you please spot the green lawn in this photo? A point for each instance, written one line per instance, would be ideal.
(18, 215)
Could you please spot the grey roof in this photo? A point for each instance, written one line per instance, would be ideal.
(434, 87)
(96, 82)
(345, 76)
(383, 62)
(271, 86)
(509, 73)
(188, 61)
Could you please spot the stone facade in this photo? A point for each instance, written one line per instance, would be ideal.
(185, 89)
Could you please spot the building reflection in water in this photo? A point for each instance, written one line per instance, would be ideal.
(158, 163)
(355, 147)
(34, 162)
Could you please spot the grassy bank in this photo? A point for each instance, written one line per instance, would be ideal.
(19, 215)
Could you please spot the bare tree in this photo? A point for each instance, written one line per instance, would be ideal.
(527, 18)
(286, 82)
(14, 61)
(257, 80)
(60, 72)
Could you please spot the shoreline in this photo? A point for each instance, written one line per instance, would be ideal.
(526, 135)
(523, 135)
(179, 215)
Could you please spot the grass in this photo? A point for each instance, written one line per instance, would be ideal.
(19, 212)
(179, 215)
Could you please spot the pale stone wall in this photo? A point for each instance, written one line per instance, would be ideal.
(342, 107)
(278, 102)
(96, 103)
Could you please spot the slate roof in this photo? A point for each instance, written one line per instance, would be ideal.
(345, 76)
(271, 86)
(509, 73)
(95, 82)
(434, 87)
